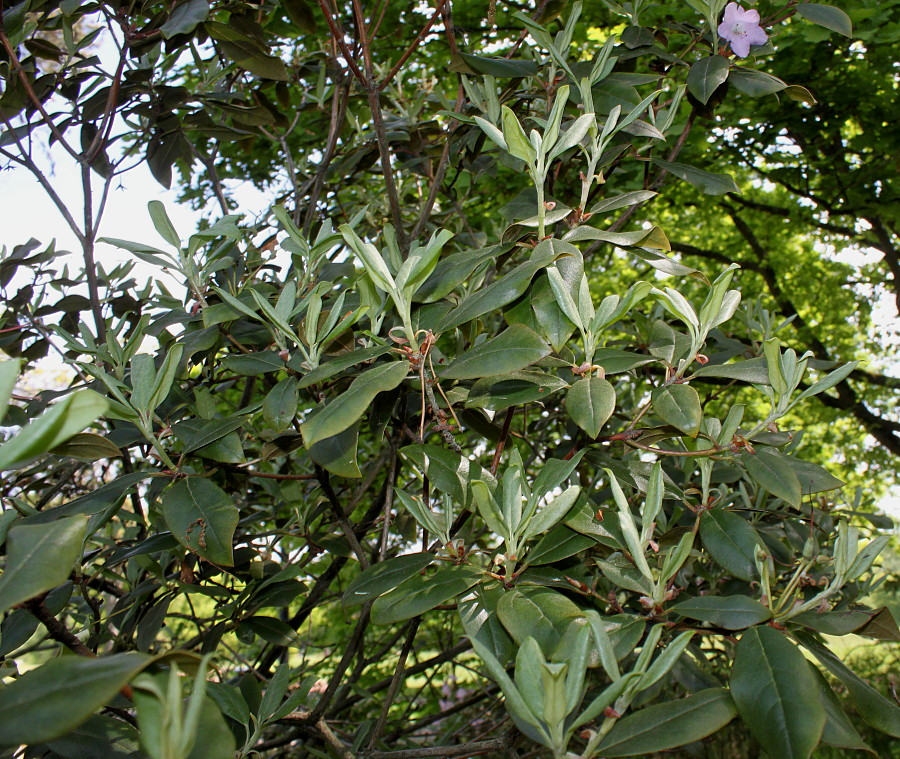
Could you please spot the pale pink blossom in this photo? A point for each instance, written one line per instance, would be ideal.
(741, 28)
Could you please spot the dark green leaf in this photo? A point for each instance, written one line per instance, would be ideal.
(39, 558)
(590, 403)
(678, 405)
(61, 694)
(280, 406)
(338, 454)
(755, 83)
(711, 184)
(342, 411)
(420, 593)
(776, 694)
(513, 349)
(497, 294)
(203, 517)
(730, 612)
(87, 446)
(499, 67)
(301, 15)
(706, 76)
(339, 363)
(839, 730)
(478, 614)
(874, 708)
(669, 725)
(813, 478)
(827, 16)
(384, 576)
(185, 17)
(731, 541)
(560, 543)
(772, 472)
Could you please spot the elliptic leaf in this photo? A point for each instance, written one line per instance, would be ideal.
(202, 517)
(513, 349)
(776, 694)
(384, 576)
(53, 699)
(669, 725)
(678, 405)
(39, 558)
(338, 414)
(706, 75)
(731, 541)
(590, 403)
(773, 473)
(420, 593)
(730, 612)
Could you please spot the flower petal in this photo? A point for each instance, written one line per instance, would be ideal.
(732, 13)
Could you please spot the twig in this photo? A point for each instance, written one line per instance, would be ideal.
(443, 752)
(415, 43)
(395, 682)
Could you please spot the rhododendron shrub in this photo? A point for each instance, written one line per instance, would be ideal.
(444, 454)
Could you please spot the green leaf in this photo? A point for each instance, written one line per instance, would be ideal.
(478, 614)
(839, 730)
(560, 543)
(827, 16)
(338, 454)
(539, 613)
(730, 612)
(706, 76)
(301, 15)
(731, 541)
(669, 725)
(549, 514)
(203, 518)
(53, 699)
(497, 294)
(103, 736)
(513, 349)
(280, 406)
(874, 708)
(214, 738)
(384, 576)
(755, 83)
(420, 593)
(776, 694)
(185, 17)
(39, 558)
(338, 364)
(499, 67)
(813, 478)
(621, 201)
(87, 446)
(754, 370)
(590, 403)
(711, 184)
(338, 414)
(679, 406)
(53, 427)
(773, 473)
(163, 224)
(9, 375)
(445, 469)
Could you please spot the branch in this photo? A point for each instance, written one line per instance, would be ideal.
(474, 748)
(415, 43)
(57, 630)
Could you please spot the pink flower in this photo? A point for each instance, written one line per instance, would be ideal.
(741, 28)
